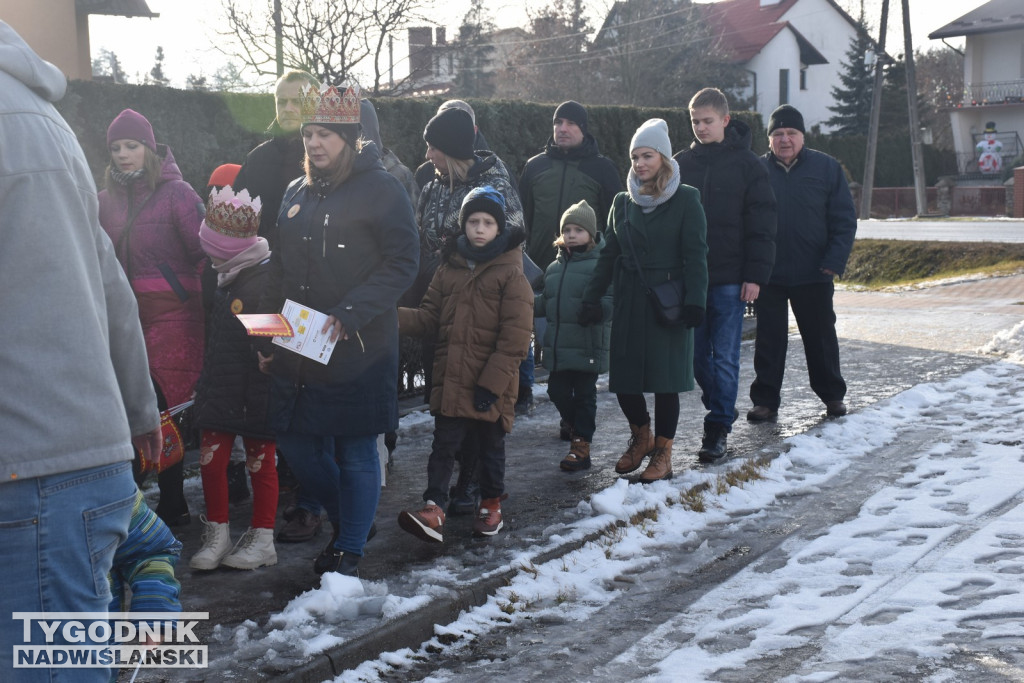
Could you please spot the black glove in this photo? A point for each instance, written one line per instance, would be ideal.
(693, 316)
(483, 399)
(589, 314)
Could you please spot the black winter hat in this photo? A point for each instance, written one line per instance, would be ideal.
(485, 199)
(452, 132)
(574, 112)
(786, 116)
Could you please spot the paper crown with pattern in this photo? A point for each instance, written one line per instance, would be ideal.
(331, 103)
(234, 215)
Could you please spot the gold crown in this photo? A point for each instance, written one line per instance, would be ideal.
(234, 215)
(330, 103)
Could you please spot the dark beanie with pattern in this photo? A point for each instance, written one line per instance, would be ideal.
(485, 199)
(452, 132)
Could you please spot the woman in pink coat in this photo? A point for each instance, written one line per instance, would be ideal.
(152, 216)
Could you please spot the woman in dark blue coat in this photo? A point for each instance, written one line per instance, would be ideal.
(347, 247)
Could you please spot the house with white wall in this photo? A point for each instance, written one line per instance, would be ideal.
(58, 30)
(793, 51)
(993, 82)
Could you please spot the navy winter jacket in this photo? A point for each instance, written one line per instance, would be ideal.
(817, 221)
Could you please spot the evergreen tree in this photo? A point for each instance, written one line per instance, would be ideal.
(156, 74)
(852, 106)
(107, 65)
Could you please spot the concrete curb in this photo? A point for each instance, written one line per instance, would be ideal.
(413, 629)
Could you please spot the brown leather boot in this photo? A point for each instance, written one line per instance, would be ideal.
(660, 466)
(640, 444)
(579, 456)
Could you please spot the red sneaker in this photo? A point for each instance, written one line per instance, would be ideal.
(488, 519)
(426, 524)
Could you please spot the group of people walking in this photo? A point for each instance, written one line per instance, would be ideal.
(647, 282)
(442, 259)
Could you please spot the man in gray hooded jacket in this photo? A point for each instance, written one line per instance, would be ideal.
(75, 392)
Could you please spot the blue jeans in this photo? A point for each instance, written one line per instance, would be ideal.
(59, 534)
(343, 474)
(716, 353)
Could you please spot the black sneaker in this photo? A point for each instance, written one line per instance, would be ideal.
(331, 559)
(524, 403)
(464, 501)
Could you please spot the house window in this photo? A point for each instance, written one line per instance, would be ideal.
(803, 78)
(783, 86)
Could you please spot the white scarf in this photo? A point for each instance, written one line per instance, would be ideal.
(648, 202)
(229, 270)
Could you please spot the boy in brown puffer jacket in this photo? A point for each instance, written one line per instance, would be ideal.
(480, 307)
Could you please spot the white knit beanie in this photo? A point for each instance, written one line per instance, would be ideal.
(654, 134)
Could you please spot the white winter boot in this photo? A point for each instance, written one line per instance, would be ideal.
(254, 549)
(216, 544)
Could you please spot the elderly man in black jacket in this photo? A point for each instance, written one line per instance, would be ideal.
(740, 209)
(817, 223)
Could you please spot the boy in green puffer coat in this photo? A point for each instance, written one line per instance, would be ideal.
(574, 355)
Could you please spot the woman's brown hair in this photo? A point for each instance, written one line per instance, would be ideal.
(342, 170)
(151, 164)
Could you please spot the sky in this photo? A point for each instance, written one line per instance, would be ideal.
(927, 560)
(189, 43)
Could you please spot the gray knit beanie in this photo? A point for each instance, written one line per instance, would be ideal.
(652, 133)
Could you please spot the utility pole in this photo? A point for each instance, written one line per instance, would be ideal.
(916, 152)
(279, 38)
(868, 186)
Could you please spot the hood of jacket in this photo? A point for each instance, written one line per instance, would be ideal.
(737, 136)
(18, 60)
(587, 148)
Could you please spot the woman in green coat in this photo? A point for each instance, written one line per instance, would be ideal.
(659, 224)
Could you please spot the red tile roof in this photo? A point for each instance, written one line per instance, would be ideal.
(745, 27)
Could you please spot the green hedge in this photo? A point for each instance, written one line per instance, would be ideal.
(208, 129)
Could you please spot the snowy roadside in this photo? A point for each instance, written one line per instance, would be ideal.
(927, 562)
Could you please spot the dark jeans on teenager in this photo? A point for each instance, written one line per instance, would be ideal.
(666, 412)
(716, 353)
(449, 433)
(574, 393)
(816, 320)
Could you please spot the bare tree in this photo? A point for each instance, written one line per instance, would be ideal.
(333, 39)
(551, 65)
(659, 53)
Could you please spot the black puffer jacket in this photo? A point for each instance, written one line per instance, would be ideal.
(349, 254)
(739, 205)
(267, 171)
(232, 393)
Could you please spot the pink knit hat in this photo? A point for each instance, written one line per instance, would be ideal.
(131, 125)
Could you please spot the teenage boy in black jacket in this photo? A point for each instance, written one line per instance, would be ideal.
(740, 209)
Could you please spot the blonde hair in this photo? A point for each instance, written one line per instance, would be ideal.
(342, 168)
(151, 164)
(711, 97)
(458, 169)
(656, 185)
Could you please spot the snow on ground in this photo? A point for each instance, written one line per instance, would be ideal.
(932, 560)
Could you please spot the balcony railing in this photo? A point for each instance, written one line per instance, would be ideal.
(996, 92)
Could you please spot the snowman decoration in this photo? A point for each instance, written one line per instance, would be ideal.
(990, 157)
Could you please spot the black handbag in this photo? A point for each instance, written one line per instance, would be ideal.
(666, 297)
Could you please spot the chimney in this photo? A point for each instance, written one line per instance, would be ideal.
(419, 51)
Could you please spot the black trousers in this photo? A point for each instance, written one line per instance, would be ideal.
(449, 434)
(666, 412)
(574, 393)
(816, 320)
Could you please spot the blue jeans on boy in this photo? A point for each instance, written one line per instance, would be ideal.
(716, 353)
(343, 473)
(61, 532)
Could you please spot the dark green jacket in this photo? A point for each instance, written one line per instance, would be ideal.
(670, 243)
(555, 180)
(567, 344)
